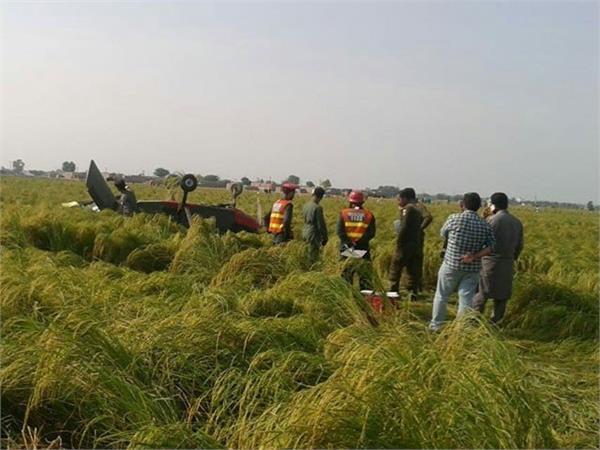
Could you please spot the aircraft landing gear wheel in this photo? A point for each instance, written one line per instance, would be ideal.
(188, 183)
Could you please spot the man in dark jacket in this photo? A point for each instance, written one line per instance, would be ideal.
(127, 203)
(314, 232)
(496, 273)
(355, 228)
(409, 244)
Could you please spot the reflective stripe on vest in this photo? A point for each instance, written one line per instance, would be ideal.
(356, 222)
(276, 218)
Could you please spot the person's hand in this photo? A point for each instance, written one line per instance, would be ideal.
(468, 258)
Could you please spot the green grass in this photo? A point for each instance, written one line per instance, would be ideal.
(138, 333)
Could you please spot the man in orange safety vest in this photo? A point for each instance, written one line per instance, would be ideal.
(355, 228)
(280, 218)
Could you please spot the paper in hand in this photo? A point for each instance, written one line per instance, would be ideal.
(350, 253)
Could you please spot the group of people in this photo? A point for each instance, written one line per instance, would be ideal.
(478, 256)
(478, 259)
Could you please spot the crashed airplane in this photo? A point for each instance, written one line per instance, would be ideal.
(227, 216)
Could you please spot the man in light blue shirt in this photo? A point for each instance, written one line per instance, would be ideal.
(469, 239)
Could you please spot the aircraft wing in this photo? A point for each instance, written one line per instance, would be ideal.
(99, 189)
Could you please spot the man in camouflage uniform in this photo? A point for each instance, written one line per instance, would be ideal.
(314, 232)
(409, 244)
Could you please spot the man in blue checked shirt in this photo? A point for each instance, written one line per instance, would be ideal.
(469, 239)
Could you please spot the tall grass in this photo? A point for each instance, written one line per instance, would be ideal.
(399, 387)
(137, 333)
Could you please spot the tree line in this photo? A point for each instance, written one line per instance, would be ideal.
(211, 180)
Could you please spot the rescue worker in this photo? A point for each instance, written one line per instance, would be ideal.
(355, 228)
(280, 218)
(126, 203)
(314, 232)
(409, 244)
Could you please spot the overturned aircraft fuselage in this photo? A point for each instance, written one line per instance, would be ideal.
(227, 217)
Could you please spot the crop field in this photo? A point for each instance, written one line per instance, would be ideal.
(134, 332)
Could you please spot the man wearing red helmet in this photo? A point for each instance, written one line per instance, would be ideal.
(280, 219)
(355, 228)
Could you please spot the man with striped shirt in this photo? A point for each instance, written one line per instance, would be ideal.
(469, 239)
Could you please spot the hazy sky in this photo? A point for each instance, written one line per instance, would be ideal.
(443, 96)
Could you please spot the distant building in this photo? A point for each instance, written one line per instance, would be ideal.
(213, 184)
(263, 186)
(70, 175)
(334, 191)
(139, 179)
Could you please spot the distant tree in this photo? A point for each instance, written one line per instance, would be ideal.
(68, 166)
(326, 184)
(245, 181)
(294, 179)
(161, 172)
(210, 178)
(387, 191)
(590, 205)
(310, 184)
(18, 165)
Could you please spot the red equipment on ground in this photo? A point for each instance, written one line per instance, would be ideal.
(375, 299)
